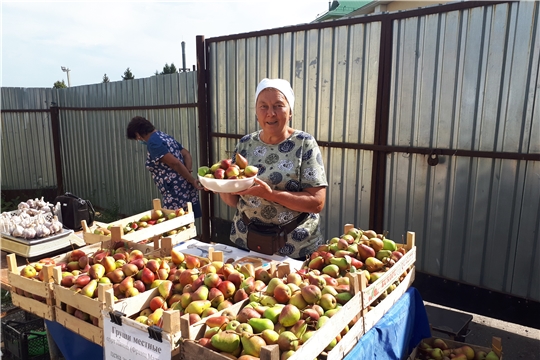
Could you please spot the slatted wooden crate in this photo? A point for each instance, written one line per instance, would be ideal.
(65, 297)
(39, 298)
(496, 347)
(166, 339)
(153, 232)
(354, 311)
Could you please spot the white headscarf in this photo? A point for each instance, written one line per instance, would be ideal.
(282, 85)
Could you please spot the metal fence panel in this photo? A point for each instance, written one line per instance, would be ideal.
(468, 80)
(27, 145)
(333, 74)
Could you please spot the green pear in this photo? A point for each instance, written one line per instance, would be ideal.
(252, 344)
(381, 254)
(90, 288)
(492, 356)
(322, 320)
(373, 264)
(197, 307)
(289, 315)
(260, 324)
(344, 263)
(389, 244)
(288, 341)
(270, 336)
(272, 313)
(227, 341)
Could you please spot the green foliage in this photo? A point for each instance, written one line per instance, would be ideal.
(108, 215)
(105, 78)
(5, 298)
(59, 85)
(169, 69)
(128, 75)
(10, 205)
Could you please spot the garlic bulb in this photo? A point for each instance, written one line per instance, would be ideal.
(56, 226)
(23, 205)
(29, 233)
(18, 231)
(41, 203)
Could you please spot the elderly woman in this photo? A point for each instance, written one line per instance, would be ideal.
(290, 189)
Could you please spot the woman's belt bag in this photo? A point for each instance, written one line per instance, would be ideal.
(268, 239)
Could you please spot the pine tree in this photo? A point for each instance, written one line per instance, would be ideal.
(128, 75)
(59, 85)
(105, 78)
(169, 69)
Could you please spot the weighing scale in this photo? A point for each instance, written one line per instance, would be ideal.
(41, 247)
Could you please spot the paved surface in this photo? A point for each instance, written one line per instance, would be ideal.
(518, 342)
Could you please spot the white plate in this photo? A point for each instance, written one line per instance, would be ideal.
(226, 185)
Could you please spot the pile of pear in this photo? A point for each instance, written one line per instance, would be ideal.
(286, 313)
(358, 250)
(438, 349)
(203, 291)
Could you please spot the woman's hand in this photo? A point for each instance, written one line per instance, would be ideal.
(259, 188)
(197, 184)
(308, 200)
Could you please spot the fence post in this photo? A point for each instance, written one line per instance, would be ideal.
(55, 127)
(203, 133)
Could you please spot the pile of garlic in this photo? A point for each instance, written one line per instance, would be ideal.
(32, 219)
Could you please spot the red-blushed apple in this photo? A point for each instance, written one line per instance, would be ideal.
(225, 164)
(282, 293)
(227, 288)
(219, 174)
(232, 171)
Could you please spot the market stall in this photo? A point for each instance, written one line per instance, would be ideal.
(140, 292)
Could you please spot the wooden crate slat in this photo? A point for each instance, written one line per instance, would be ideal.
(32, 286)
(158, 229)
(347, 342)
(33, 306)
(323, 336)
(132, 305)
(82, 302)
(83, 328)
(373, 291)
(374, 315)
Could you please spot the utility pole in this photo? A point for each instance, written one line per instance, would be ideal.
(183, 69)
(67, 70)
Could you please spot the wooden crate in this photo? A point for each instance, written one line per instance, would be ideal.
(496, 346)
(88, 232)
(42, 289)
(93, 306)
(123, 329)
(154, 232)
(356, 309)
(311, 348)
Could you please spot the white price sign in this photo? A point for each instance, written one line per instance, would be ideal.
(124, 342)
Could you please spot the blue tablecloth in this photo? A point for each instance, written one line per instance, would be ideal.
(393, 337)
(397, 333)
(72, 345)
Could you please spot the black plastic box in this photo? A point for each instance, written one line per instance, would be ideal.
(24, 337)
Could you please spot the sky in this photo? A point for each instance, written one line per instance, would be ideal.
(106, 37)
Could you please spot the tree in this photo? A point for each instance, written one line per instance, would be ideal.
(105, 78)
(59, 85)
(169, 69)
(128, 75)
